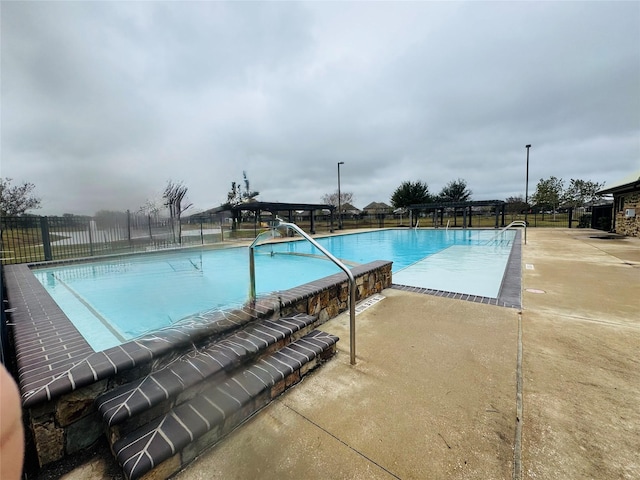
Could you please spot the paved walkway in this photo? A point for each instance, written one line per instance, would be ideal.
(435, 391)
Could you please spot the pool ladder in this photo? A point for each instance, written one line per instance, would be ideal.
(277, 223)
(515, 223)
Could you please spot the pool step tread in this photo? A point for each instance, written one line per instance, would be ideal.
(122, 403)
(221, 407)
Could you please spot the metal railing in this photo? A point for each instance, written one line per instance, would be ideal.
(352, 281)
(35, 239)
(515, 223)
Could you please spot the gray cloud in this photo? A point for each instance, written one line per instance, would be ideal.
(103, 102)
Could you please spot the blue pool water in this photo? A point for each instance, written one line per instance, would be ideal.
(115, 300)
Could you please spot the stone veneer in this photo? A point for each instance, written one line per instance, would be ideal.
(629, 226)
(60, 375)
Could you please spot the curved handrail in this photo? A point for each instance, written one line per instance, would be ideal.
(515, 223)
(352, 281)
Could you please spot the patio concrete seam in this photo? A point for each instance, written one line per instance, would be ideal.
(517, 448)
(602, 323)
(341, 441)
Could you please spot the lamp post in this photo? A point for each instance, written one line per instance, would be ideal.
(526, 187)
(339, 199)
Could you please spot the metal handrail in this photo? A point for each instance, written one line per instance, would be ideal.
(352, 281)
(515, 223)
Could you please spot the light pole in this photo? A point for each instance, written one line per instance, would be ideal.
(526, 187)
(339, 199)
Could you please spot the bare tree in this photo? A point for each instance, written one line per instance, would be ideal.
(173, 196)
(18, 199)
(332, 198)
(151, 208)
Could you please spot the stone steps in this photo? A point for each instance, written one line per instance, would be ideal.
(164, 446)
(221, 356)
(159, 423)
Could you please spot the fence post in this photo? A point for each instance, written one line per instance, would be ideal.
(129, 226)
(91, 239)
(571, 216)
(46, 240)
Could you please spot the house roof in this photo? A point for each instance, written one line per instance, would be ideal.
(347, 207)
(377, 206)
(627, 184)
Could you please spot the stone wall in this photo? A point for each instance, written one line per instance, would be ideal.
(628, 226)
(64, 426)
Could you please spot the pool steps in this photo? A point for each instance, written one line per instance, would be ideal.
(221, 356)
(158, 424)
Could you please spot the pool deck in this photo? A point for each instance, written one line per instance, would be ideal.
(446, 388)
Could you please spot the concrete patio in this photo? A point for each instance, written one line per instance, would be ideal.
(452, 389)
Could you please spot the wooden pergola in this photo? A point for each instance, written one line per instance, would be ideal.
(285, 209)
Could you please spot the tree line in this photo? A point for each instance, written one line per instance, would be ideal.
(550, 195)
(417, 193)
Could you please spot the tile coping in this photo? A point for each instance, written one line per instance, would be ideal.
(54, 359)
(510, 293)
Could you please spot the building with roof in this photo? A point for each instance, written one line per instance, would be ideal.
(349, 210)
(626, 204)
(375, 208)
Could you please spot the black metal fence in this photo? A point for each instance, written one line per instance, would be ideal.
(4, 333)
(35, 239)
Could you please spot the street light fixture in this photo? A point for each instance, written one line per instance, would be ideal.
(526, 187)
(339, 199)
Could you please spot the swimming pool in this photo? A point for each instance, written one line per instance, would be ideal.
(115, 300)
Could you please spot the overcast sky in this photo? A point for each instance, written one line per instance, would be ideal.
(104, 102)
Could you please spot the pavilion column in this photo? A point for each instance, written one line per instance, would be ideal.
(312, 228)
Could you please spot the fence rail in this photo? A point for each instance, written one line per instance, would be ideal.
(35, 239)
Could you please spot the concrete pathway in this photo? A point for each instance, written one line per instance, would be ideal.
(581, 356)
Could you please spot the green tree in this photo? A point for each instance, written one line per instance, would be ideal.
(581, 192)
(515, 206)
(548, 194)
(411, 193)
(455, 191)
(16, 200)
